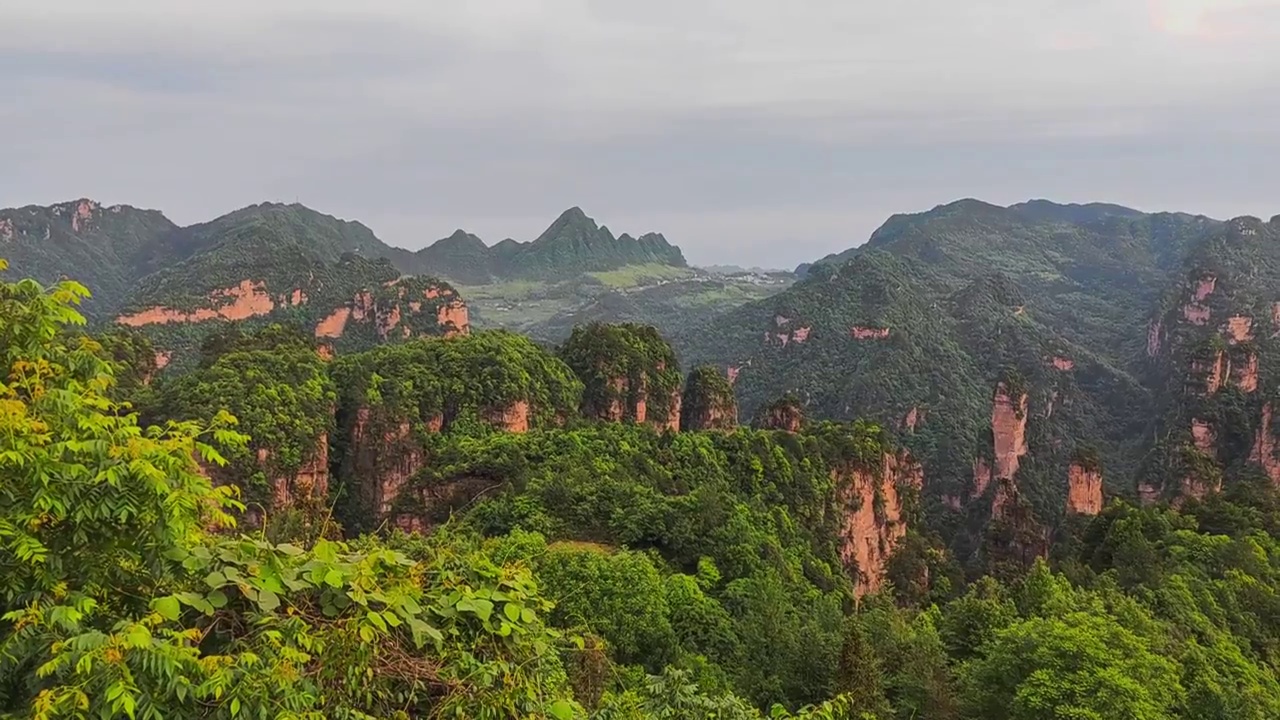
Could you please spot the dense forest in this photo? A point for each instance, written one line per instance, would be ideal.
(473, 525)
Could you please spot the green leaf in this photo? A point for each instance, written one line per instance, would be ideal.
(235, 707)
(268, 600)
(561, 710)
(215, 579)
(168, 607)
(512, 611)
(217, 599)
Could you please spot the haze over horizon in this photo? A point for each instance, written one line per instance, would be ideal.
(747, 133)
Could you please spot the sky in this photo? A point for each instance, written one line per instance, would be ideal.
(754, 132)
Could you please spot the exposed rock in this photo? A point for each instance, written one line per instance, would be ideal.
(860, 332)
(297, 297)
(913, 418)
(873, 523)
(514, 418)
(333, 325)
(385, 462)
(1084, 490)
(1205, 287)
(362, 306)
(1239, 328)
(981, 477)
(709, 402)
(1199, 488)
(163, 358)
(1155, 330)
(781, 321)
(1004, 499)
(248, 299)
(953, 502)
(732, 372)
(311, 481)
(1264, 447)
(1063, 364)
(1275, 317)
(6, 229)
(1195, 313)
(453, 316)
(1203, 436)
(783, 414)
(800, 334)
(82, 214)
(1009, 430)
(1213, 372)
(1245, 375)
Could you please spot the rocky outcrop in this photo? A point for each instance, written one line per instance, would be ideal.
(1205, 287)
(82, 215)
(385, 455)
(1196, 314)
(1263, 453)
(981, 477)
(454, 318)
(1063, 364)
(873, 521)
(163, 358)
(246, 300)
(862, 332)
(784, 414)
(1008, 430)
(1084, 489)
(310, 482)
(1214, 372)
(1239, 328)
(1155, 336)
(1245, 375)
(514, 418)
(709, 402)
(334, 324)
(1202, 436)
(6, 230)
(913, 418)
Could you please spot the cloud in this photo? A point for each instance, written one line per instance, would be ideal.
(774, 132)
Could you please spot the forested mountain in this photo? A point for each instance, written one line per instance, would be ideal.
(1002, 464)
(1007, 347)
(572, 245)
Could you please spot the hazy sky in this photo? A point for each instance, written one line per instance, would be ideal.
(747, 131)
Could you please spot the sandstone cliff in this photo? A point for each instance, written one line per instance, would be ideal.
(874, 520)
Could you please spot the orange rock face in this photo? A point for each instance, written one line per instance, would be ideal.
(1205, 287)
(453, 316)
(1275, 316)
(1009, 428)
(1004, 499)
(1264, 447)
(1063, 364)
(310, 482)
(869, 537)
(800, 334)
(1195, 313)
(1246, 375)
(1084, 490)
(6, 229)
(1213, 372)
(246, 300)
(1239, 328)
(1203, 436)
(513, 418)
(859, 332)
(732, 373)
(163, 358)
(333, 325)
(1198, 488)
